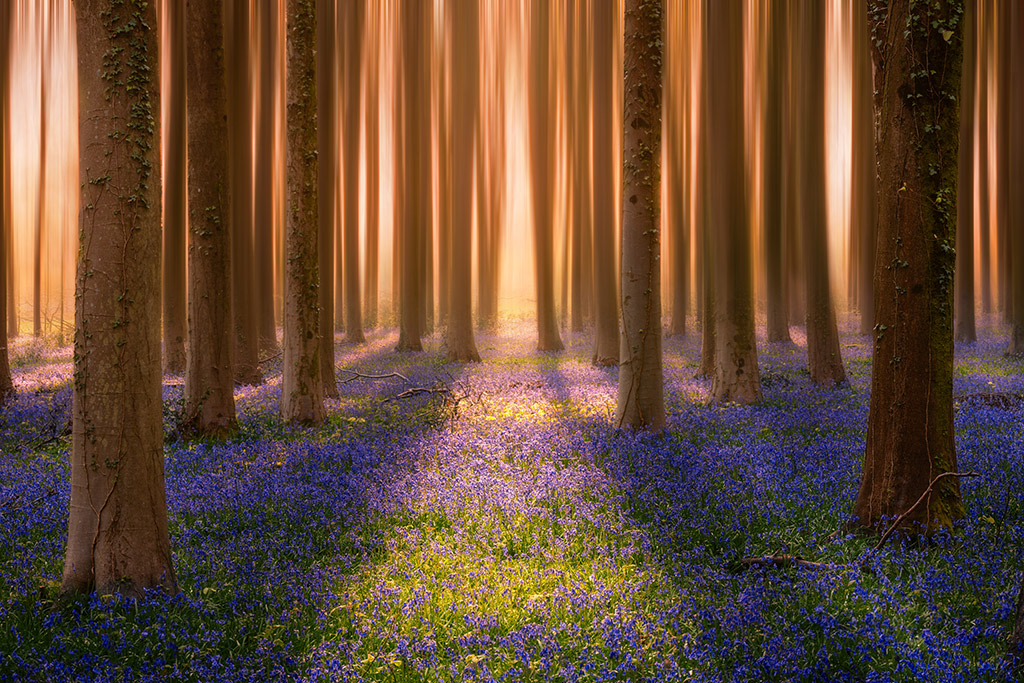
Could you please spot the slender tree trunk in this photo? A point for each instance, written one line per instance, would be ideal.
(175, 311)
(964, 329)
(548, 338)
(736, 373)
(606, 322)
(705, 240)
(581, 194)
(117, 522)
(266, 162)
(45, 41)
(863, 209)
(372, 115)
(240, 129)
(302, 392)
(676, 126)
(327, 187)
(823, 356)
(465, 122)
(910, 421)
(416, 183)
(6, 384)
(444, 149)
(209, 366)
(984, 33)
(355, 14)
(1004, 92)
(777, 304)
(1015, 170)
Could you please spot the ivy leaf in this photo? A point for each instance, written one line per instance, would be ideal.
(946, 35)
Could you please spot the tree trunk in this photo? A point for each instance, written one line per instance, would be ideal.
(266, 163)
(209, 366)
(777, 304)
(677, 123)
(970, 95)
(175, 195)
(823, 356)
(548, 338)
(117, 522)
(705, 243)
(414, 197)
(355, 15)
(641, 400)
(327, 187)
(606, 321)
(1015, 171)
(444, 171)
(240, 129)
(302, 393)
(736, 373)
(1004, 93)
(983, 38)
(863, 210)
(45, 46)
(910, 421)
(371, 108)
(6, 384)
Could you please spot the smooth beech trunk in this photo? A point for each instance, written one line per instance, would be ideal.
(606, 319)
(175, 275)
(1001, 265)
(6, 384)
(327, 194)
(266, 162)
(863, 204)
(963, 313)
(117, 522)
(209, 366)
(736, 372)
(910, 420)
(773, 170)
(677, 122)
(302, 393)
(371, 108)
(355, 15)
(1015, 171)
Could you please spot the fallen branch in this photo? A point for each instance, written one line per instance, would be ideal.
(779, 562)
(420, 391)
(927, 491)
(270, 358)
(1005, 399)
(359, 375)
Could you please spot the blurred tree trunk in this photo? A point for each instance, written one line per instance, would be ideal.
(736, 373)
(792, 215)
(606, 321)
(541, 140)
(117, 524)
(970, 95)
(44, 9)
(910, 422)
(302, 392)
(777, 308)
(823, 355)
(355, 19)
(371, 108)
(327, 179)
(984, 33)
(266, 163)
(209, 366)
(641, 400)
(444, 162)
(677, 123)
(1002, 265)
(580, 128)
(6, 384)
(175, 275)
(863, 209)
(1015, 171)
(465, 120)
(705, 241)
(414, 195)
(240, 129)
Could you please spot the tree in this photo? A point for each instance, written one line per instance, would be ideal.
(327, 191)
(266, 162)
(302, 393)
(1015, 173)
(736, 373)
(209, 365)
(964, 328)
(606, 321)
(175, 312)
(350, 227)
(774, 169)
(823, 356)
(1004, 92)
(641, 401)
(117, 524)
(44, 10)
(6, 384)
(541, 140)
(371, 109)
(465, 120)
(910, 420)
(862, 181)
(677, 122)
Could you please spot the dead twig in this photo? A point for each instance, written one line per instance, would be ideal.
(270, 358)
(359, 375)
(778, 562)
(899, 520)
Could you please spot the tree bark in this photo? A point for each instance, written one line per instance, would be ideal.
(777, 304)
(1004, 93)
(444, 171)
(863, 208)
(45, 47)
(266, 162)
(983, 39)
(606, 321)
(970, 95)
(327, 189)
(6, 384)
(371, 108)
(175, 311)
(677, 123)
(117, 522)
(209, 366)
(1015, 171)
(302, 393)
(641, 400)
(355, 15)
(910, 421)
(548, 338)
(736, 372)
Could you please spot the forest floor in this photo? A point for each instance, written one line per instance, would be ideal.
(500, 528)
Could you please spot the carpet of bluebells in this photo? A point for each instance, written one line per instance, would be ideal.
(499, 528)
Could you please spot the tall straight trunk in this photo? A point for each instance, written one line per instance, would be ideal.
(606, 321)
(444, 171)
(548, 338)
(45, 41)
(355, 16)
(240, 129)
(677, 121)
(327, 185)
(414, 196)
(736, 373)
(1015, 171)
(209, 365)
(970, 95)
(985, 32)
(863, 209)
(486, 287)
(641, 400)
(175, 311)
(705, 239)
(581, 164)
(823, 356)
(302, 392)
(465, 123)
(910, 420)
(6, 384)
(777, 305)
(117, 523)
(371, 109)
(1004, 92)
(266, 162)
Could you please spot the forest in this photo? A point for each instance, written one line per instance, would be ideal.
(511, 340)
